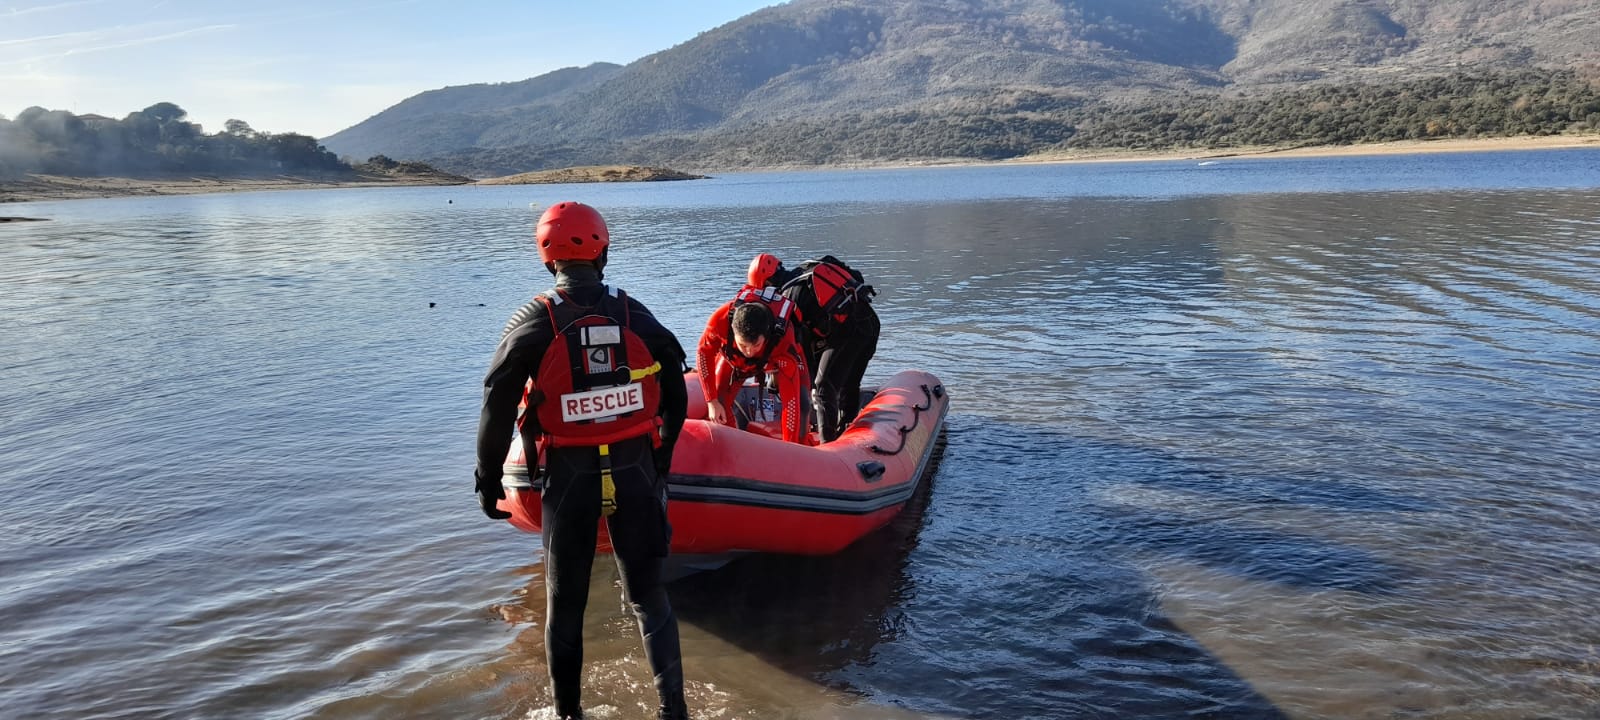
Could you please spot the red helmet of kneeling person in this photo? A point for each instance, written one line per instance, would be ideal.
(762, 268)
(571, 231)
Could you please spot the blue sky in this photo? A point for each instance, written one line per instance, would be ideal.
(313, 67)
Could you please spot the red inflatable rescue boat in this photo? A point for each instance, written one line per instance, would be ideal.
(734, 490)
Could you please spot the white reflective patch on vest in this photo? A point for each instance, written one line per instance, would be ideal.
(602, 335)
(602, 403)
(749, 293)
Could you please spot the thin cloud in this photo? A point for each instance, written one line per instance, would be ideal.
(17, 12)
(154, 39)
(49, 38)
(115, 45)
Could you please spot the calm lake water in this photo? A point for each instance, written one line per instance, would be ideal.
(1251, 439)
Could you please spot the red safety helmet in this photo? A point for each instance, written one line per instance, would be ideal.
(762, 267)
(572, 231)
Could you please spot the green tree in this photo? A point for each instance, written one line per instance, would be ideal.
(165, 112)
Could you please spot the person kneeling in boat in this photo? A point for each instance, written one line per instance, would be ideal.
(837, 330)
(749, 337)
(607, 400)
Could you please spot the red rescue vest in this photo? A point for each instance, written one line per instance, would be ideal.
(782, 309)
(597, 382)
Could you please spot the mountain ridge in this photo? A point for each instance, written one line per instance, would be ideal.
(810, 59)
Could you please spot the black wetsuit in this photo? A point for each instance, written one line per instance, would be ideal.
(837, 352)
(571, 502)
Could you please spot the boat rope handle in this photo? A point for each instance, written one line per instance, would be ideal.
(916, 418)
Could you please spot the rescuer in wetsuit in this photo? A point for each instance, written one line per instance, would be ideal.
(837, 330)
(607, 400)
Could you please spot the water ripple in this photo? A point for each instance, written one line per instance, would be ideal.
(1233, 455)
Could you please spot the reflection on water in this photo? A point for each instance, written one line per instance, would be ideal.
(1235, 453)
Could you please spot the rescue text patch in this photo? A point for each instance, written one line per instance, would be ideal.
(605, 402)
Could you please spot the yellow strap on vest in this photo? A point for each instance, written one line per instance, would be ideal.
(608, 486)
(654, 368)
(608, 489)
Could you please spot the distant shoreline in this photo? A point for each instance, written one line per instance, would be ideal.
(1110, 155)
(47, 187)
(37, 188)
(1400, 147)
(593, 173)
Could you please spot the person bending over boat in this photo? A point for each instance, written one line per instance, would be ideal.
(606, 401)
(837, 330)
(750, 336)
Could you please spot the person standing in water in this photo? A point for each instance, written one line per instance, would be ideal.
(606, 402)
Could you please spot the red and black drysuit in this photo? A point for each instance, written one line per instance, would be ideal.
(722, 368)
(838, 332)
(572, 497)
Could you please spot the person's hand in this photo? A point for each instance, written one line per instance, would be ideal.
(716, 413)
(663, 461)
(490, 493)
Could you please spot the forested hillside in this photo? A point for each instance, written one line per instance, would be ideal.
(1531, 103)
(158, 139)
(160, 142)
(838, 80)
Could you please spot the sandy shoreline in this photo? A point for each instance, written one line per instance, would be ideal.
(59, 187)
(42, 187)
(1403, 147)
(1406, 147)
